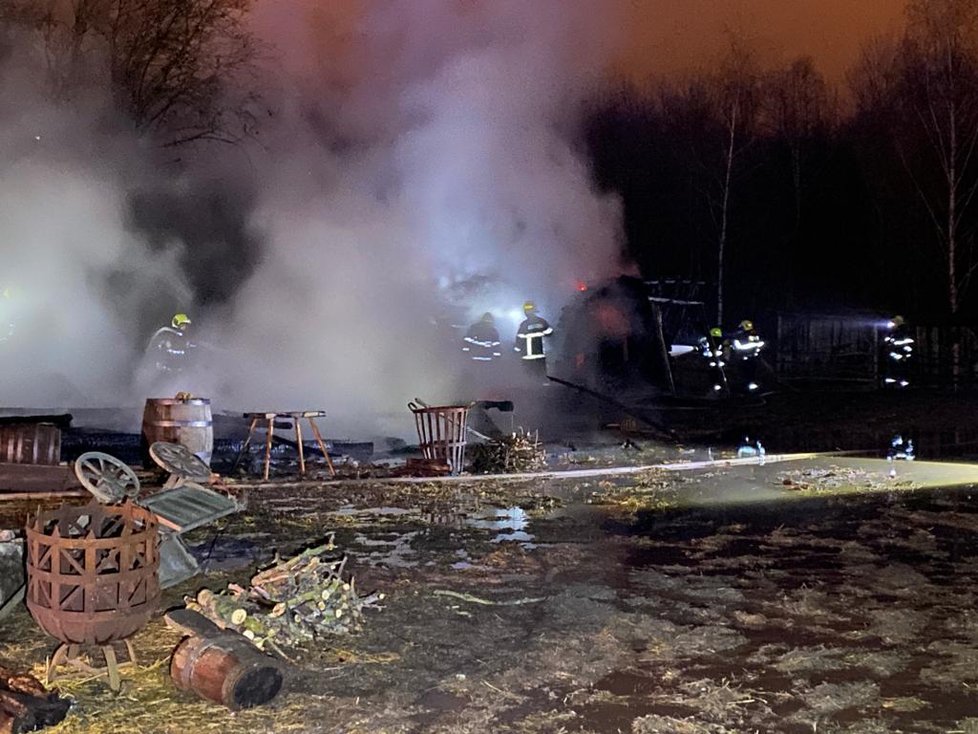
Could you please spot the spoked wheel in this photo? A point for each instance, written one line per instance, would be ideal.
(177, 459)
(107, 478)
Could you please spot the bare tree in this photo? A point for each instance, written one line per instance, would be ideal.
(928, 84)
(713, 118)
(171, 64)
(796, 110)
(735, 94)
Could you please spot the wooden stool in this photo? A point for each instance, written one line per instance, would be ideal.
(296, 418)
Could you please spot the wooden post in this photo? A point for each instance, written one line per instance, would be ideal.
(270, 433)
(322, 445)
(297, 424)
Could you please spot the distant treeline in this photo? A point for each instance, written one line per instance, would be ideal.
(792, 194)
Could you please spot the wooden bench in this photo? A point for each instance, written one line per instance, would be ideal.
(290, 420)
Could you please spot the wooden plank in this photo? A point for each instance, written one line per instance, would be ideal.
(37, 477)
(41, 495)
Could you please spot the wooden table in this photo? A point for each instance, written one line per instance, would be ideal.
(268, 420)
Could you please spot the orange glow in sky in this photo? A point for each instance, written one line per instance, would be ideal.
(669, 37)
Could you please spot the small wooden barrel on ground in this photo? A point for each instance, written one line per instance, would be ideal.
(174, 420)
(31, 443)
(226, 669)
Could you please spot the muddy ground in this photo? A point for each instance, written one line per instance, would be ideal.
(821, 596)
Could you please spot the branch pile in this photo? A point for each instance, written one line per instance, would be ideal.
(290, 603)
(518, 452)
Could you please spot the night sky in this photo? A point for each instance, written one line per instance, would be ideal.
(680, 36)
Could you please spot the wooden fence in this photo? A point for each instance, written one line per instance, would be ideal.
(848, 348)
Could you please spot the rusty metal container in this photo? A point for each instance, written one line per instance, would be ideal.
(92, 571)
(441, 433)
(227, 669)
(30, 443)
(177, 420)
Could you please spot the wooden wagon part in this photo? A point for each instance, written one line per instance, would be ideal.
(178, 509)
(178, 461)
(107, 478)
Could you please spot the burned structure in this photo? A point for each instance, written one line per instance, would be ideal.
(611, 337)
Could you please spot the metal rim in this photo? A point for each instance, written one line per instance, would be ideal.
(108, 479)
(178, 459)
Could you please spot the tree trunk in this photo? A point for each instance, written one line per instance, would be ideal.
(952, 241)
(731, 143)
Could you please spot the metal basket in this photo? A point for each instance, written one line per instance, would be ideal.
(441, 433)
(92, 572)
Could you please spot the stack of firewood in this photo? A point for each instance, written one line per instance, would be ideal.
(518, 452)
(25, 705)
(291, 603)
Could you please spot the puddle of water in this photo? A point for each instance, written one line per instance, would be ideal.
(350, 511)
(394, 553)
(510, 523)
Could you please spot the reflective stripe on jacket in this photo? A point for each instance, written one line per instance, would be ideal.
(529, 337)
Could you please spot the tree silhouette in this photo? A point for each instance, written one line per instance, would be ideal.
(171, 64)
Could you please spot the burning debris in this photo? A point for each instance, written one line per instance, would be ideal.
(518, 452)
(291, 603)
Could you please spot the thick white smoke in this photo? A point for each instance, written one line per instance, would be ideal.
(419, 157)
(434, 159)
(74, 280)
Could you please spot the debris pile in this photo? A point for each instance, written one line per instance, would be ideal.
(834, 478)
(291, 603)
(518, 452)
(25, 705)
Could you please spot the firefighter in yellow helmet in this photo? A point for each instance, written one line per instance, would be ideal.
(170, 346)
(745, 346)
(529, 341)
(711, 349)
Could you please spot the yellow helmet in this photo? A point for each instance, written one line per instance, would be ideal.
(716, 331)
(897, 321)
(180, 319)
(747, 325)
(529, 306)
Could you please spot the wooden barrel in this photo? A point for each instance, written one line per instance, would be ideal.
(32, 443)
(174, 420)
(226, 669)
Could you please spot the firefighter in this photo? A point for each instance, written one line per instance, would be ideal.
(482, 340)
(745, 345)
(897, 354)
(711, 349)
(529, 341)
(170, 346)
